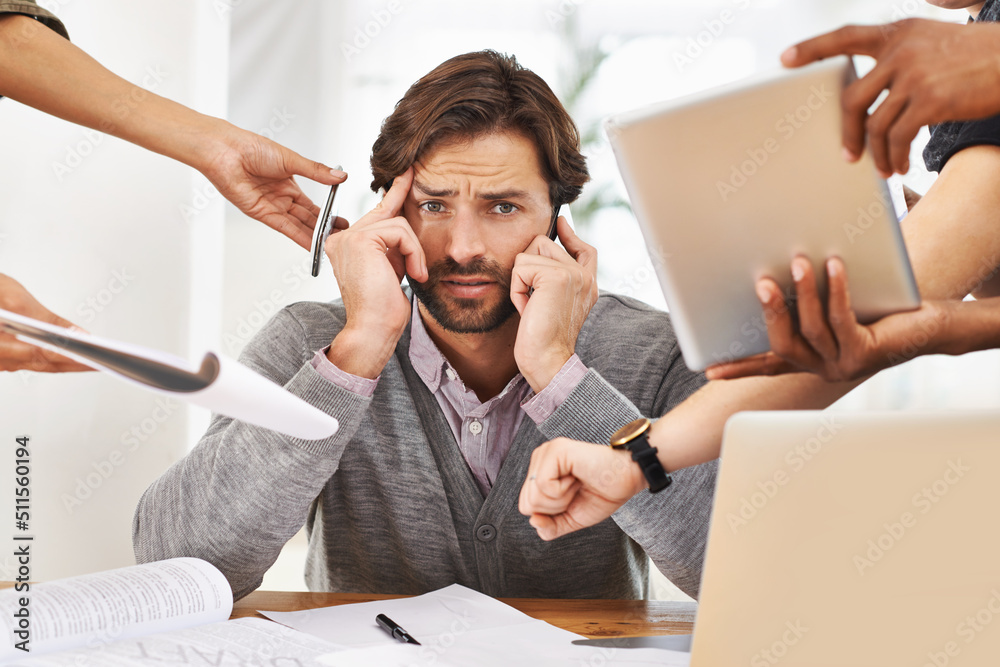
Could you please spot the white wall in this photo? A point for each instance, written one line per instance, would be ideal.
(93, 227)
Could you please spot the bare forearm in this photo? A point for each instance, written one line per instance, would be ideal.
(970, 326)
(691, 433)
(42, 70)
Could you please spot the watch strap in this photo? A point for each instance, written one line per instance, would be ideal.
(645, 456)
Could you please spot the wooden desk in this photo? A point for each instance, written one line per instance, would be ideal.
(593, 618)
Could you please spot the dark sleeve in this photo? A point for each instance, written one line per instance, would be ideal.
(949, 138)
(30, 8)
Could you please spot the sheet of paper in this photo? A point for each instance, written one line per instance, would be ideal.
(456, 626)
(523, 644)
(118, 604)
(247, 642)
(237, 392)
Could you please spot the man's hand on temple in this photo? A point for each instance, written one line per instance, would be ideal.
(15, 355)
(573, 485)
(369, 260)
(934, 72)
(563, 288)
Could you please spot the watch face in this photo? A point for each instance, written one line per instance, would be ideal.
(629, 432)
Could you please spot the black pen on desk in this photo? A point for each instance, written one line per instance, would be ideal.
(393, 629)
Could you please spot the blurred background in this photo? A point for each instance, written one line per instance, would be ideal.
(133, 246)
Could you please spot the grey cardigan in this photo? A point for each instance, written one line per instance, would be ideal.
(390, 504)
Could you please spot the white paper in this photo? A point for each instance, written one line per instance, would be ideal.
(456, 626)
(246, 642)
(117, 604)
(237, 392)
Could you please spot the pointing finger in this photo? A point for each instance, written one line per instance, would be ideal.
(392, 202)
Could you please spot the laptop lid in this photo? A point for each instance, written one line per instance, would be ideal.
(730, 184)
(853, 539)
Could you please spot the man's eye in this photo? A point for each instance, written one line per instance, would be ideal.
(432, 206)
(505, 208)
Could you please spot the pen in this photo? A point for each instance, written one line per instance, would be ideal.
(393, 629)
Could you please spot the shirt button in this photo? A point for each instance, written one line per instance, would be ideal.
(486, 533)
(452, 375)
(475, 427)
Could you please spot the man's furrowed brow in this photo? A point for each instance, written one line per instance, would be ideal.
(431, 192)
(504, 194)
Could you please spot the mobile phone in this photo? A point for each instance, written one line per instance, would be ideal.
(324, 225)
(553, 232)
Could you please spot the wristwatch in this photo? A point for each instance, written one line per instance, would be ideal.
(633, 437)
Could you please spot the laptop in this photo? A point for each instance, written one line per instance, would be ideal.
(730, 184)
(854, 539)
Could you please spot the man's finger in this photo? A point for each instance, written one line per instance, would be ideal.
(584, 253)
(849, 40)
(396, 236)
(392, 202)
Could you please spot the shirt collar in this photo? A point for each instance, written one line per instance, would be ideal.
(425, 357)
(430, 364)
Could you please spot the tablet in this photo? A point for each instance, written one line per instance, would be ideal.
(730, 184)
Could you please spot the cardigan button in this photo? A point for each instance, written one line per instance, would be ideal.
(486, 533)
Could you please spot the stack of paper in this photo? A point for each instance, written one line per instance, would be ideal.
(456, 626)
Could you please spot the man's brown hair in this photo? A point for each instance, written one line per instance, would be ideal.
(475, 94)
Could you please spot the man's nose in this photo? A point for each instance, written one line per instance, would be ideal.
(466, 242)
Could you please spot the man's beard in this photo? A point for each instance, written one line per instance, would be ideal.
(465, 315)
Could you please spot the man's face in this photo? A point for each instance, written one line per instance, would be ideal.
(474, 205)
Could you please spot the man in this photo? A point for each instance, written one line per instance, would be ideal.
(39, 67)
(442, 396)
(950, 236)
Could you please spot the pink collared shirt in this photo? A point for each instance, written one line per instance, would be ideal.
(484, 432)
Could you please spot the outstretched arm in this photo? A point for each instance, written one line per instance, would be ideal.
(43, 70)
